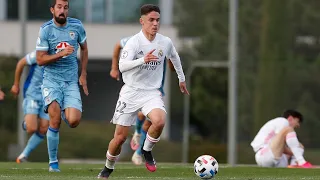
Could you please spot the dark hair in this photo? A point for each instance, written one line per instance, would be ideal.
(292, 113)
(148, 8)
(53, 3)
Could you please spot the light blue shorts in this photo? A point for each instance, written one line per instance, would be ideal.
(31, 106)
(65, 93)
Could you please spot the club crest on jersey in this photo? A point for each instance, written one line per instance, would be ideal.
(124, 54)
(160, 53)
(72, 34)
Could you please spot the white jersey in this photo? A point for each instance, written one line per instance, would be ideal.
(268, 131)
(140, 75)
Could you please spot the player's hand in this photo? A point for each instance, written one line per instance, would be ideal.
(15, 90)
(183, 88)
(83, 83)
(2, 95)
(67, 51)
(150, 57)
(114, 73)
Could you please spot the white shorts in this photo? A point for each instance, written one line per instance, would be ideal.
(265, 158)
(131, 101)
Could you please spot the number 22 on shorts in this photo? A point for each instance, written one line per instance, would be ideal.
(120, 106)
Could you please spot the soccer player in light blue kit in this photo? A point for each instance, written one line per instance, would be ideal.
(57, 47)
(142, 126)
(32, 104)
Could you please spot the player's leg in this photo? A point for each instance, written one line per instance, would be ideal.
(31, 127)
(123, 123)
(155, 111)
(134, 143)
(31, 111)
(293, 160)
(137, 156)
(283, 161)
(72, 104)
(52, 98)
(288, 136)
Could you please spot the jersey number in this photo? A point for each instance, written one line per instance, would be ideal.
(121, 106)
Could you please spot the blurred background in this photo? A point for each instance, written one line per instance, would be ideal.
(277, 67)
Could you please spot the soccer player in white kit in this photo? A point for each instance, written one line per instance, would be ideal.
(141, 65)
(277, 140)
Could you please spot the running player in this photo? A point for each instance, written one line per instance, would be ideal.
(277, 140)
(32, 104)
(57, 47)
(141, 64)
(139, 135)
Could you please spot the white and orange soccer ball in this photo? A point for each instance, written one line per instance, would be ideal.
(206, 167)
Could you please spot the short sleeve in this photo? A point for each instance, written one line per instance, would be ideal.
(42, 41)
(31, 58)
(82, 34)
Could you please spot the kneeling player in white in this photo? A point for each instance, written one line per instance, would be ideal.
(141, 64)
(277, 141)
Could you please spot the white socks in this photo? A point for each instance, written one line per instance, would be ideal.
(149, 143)
(111, 160)
(294, 145)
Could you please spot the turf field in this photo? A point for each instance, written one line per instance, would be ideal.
(37, 171)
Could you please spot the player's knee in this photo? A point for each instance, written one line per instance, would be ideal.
(73, 123)
(120, 139)
(158, 123)
(54, 112)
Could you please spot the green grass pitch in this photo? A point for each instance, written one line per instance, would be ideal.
(123, 171)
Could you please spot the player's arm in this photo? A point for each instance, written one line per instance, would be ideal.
(175, 59)
(114, 73)
(15, 89)
(83, 59)
(127, 56)
(43, 58)
(127, 61)
(42, 48)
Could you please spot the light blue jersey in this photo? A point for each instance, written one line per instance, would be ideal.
(32, 85)
(123, 42)
(60, 78)
(54, 39)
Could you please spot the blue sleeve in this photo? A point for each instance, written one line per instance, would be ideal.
(31, 58)
(42, 41)
(124, 41)
(82, 35)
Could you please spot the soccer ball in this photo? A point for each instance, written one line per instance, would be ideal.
(206, 167)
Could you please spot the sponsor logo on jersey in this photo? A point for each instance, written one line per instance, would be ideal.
(61, 46)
